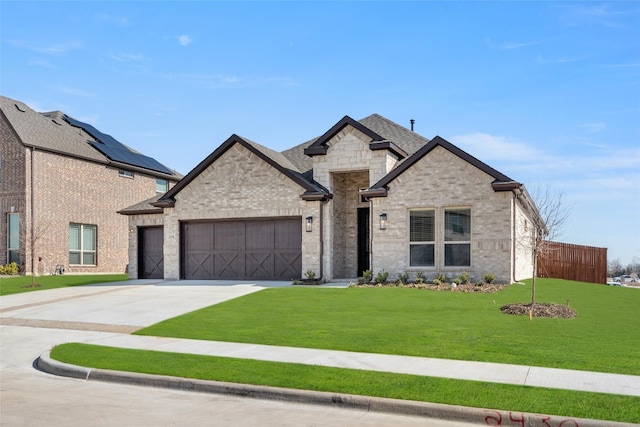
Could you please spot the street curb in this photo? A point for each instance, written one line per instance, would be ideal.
(374, 404)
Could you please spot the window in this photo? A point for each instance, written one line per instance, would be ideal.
(457, 237)
(82, 244)
(422, 238)
(161, 186)
(13, 238)
(125, 174)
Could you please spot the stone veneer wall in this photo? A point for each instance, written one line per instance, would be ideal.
(442, 180)
(239, 184)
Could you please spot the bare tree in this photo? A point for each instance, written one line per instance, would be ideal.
(548, 215)
(36, 234)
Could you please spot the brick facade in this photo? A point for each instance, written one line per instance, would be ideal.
(13, 175)
(51, 191)
(239, 184)
(438, 181)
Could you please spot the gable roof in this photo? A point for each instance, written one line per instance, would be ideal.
(501, 182)
(58, 133)
(313, 190)
(380, 129)
(143, 207)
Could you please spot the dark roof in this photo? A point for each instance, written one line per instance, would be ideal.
(53, 132)
(144, 207)
(379, 128)
(313, 190)
(501, 182)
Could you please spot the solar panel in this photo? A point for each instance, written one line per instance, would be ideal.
(117, 151)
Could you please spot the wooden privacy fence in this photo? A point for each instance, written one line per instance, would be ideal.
(573, 262)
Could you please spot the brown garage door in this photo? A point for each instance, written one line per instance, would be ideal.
(150, 254)
(242, 249)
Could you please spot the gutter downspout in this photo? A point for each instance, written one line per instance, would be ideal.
(515, 238)
(322, 203)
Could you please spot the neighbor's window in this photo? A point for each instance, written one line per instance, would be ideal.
(125, 174)
(422, 238)
(457, 237)
(13, 238)
(161, 186)
(82, 244)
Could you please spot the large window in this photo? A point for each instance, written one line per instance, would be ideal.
(422, 238)
(457, 237)
(13, 237)
(82, 244)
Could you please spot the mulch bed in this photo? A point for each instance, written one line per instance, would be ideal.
(466, 288)
(556, 311)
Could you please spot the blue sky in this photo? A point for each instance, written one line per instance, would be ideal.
(548, 93)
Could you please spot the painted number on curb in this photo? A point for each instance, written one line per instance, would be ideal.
(497, 418)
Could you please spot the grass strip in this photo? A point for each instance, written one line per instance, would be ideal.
(20, 284)
(603, 337)
(563, 403)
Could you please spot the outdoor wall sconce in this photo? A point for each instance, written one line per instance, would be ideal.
(383, 221)
(309, 223)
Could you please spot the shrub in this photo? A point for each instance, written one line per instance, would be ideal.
(403, 278)
(489, 277)
(310, 275)
(367, 276)
(441, 278)
(419, 277)
(462, 279)
(9, 269)
(437, 282)
(382, 276)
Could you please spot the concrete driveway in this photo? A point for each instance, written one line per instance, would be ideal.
(34, 322)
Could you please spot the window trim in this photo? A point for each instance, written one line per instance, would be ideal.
(166, 185)
(416, 243)
(446, 242)
(81, 251)
(9, 247)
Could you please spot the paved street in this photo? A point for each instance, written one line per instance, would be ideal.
(29, 397)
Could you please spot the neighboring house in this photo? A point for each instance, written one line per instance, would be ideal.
(366, 195)
(61, 185)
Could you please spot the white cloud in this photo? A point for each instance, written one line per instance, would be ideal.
(498, 148)
(126, 57)
(68, 90)
(185, 40)
(52, 49)
(594, 127)
(118, 20)
(42, 63)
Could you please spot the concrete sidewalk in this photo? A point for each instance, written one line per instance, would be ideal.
(456, 369)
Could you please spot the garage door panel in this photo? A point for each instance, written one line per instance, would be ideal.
(228, 265)
(287, 265)
(243, 249)
(289, 235)
(229, 235)
(259, 235)
(200, 265)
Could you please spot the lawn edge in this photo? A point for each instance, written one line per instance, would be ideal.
(337, 400)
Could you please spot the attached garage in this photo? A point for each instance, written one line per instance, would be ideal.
(150, 256)
(242, 249)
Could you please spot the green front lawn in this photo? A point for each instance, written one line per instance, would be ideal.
(561, 403)
(603, 337)
(19, 284)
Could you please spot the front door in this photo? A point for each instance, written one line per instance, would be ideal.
(363, 240)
